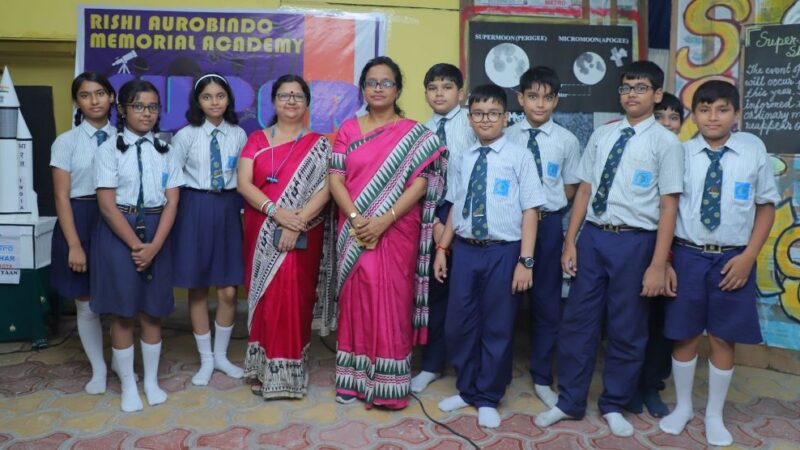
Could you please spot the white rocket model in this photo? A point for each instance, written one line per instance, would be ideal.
(27, 196)
(9, 166)
(17, 198)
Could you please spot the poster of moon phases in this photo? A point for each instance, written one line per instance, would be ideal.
(588, 60)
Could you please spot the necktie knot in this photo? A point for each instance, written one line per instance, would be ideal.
(214, 132)
(533, 132)
(484, 150)
(715, 156)
(101, 137)
(140, 141)
(628, 132)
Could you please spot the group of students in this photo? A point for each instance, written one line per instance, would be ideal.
(417, 259)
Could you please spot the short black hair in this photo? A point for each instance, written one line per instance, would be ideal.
(398, 78)
(644, 69)
(195, 115)
(714, 90)
(541, 75)
(444, 71)
(96, 78)
(486, 92)
(670, 102)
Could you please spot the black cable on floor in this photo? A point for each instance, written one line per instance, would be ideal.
(422, 406)
(40, 349)
(443, 425)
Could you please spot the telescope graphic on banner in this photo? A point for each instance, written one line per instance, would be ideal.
(123, 60)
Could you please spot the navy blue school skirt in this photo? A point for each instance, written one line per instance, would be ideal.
(207, 240)
(117, 287)
(63, 280)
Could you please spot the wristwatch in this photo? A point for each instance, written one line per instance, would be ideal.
(352, 215)
(526, 261)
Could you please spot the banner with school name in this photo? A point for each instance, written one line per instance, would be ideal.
(251, 48)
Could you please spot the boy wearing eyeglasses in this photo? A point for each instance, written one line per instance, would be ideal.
(556, 152)
(495, 193)
(444, 92)
(631, 177)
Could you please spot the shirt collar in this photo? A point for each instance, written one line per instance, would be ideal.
(546, 128)
(131, 137)
(640, 127)
(90, 130)
(496, 146)
(732, 143)
(209, 127)
(449, 116)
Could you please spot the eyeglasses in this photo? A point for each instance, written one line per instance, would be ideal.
(480, 116)
(140, 107)
(373, 83)
(639, 89)
(293, 96)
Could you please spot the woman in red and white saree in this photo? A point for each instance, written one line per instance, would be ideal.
(283, 178)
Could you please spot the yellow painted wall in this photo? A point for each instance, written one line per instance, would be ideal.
(37, 39)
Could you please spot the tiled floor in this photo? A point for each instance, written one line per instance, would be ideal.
(42, 405)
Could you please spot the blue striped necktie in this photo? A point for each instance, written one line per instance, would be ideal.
(600, 200)
(446, 154)
(533, 146)
(476, 196)
(217, 180)
(712, 189)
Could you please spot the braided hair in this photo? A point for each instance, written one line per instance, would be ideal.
(127, 95)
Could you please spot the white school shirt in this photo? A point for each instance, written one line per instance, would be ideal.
(651, 166)
(120, 170)
(747, 181)
(192, 147)
(560, 153)
(458, 131)
(512, 187)
(74, 151)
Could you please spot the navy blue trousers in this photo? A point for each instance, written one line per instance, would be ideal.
(658, 353)
(479, 327)
(546, 298)
(434, 354)
(610, 271)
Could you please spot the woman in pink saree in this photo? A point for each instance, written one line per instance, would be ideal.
(283, 178)
(386, 177)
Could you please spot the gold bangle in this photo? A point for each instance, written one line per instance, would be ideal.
(394, 216)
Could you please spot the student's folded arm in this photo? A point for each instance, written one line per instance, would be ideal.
(168, 215)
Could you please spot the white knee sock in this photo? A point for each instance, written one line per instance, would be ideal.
(221, 339)
(683, 375)
(203, 375)
(618, 425)
(91, 333)
(546, 395)
(150, 356)
(718, 382)
(452, 403)
(488, 417)
(422, 380)
(130, 393)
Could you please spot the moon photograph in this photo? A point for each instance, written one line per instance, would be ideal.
(505, 63)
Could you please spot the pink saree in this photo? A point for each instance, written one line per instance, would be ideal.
(383, 293)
